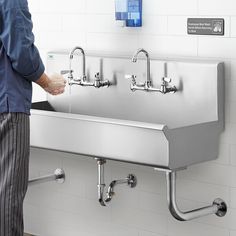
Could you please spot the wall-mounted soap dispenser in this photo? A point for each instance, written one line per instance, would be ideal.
(129, 12)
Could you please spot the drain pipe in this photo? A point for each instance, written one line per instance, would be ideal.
(218, 207)
(101, 182)
(131, 181)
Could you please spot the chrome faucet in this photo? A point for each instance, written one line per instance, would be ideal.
(84, 61)
(82, 81)
(147, 85)
(148, 82)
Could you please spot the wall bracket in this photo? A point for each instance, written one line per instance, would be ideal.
(58, 176)
(218, 206)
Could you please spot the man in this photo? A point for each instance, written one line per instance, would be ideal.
(20, 65)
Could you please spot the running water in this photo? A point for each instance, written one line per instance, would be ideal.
(70, 89)
(70, 99)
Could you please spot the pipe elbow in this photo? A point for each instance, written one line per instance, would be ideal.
(175, 212)
(101, 201)
(218, 207)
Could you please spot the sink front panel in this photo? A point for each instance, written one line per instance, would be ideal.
(96, 138)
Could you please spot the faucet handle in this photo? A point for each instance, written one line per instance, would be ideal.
(97, 76)
(166, 88)
(166, 80)
(133, 77)
(64, 72)
(70, 72)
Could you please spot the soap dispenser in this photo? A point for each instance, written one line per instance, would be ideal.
(129, 12)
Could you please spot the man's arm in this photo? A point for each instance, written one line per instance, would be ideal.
(18, 41)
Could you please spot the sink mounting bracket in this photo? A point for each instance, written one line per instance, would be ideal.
(218, 206)
(58, 176)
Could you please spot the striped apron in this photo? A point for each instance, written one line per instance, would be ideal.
(14, 161)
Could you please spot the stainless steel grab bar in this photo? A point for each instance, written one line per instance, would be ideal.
(218, 207)
(58, 176)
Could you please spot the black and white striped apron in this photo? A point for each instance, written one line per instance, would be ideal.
(14, 161)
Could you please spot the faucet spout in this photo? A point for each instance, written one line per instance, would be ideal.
(84, 62)
(135, 58)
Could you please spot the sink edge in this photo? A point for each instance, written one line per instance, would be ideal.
(99, 119)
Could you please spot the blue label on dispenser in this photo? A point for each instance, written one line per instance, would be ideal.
(121, 10)
(135, 13)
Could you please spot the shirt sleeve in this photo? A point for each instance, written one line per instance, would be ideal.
(18, 40)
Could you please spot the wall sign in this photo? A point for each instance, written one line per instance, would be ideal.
(206, 26)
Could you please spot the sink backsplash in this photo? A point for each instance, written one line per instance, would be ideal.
(196, 101)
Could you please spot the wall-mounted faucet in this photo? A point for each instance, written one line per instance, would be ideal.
(83, 80)
(147, 85)
(71, 56)
(148, 82)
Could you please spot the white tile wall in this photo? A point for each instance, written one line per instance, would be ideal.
(71, 209)
(217, 7)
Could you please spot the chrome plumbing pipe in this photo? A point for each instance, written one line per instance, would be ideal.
(131, 180)
(101, 183)
(58, 176)
(218, 207)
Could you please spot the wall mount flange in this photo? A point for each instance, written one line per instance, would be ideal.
(59, 176)
(222, 207)
(132, 180)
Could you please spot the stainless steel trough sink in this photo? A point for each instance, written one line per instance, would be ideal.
(168, 131)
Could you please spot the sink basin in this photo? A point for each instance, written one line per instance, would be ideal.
(168, 131)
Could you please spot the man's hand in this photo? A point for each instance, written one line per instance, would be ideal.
(54, 84)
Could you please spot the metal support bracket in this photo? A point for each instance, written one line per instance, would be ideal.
(58, 176)
(218, 206)
(130, 180)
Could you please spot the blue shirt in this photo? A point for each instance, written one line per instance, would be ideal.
(20, 62)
